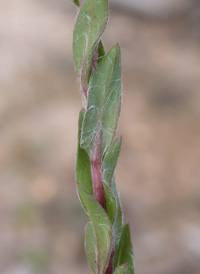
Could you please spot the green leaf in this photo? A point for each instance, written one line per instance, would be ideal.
(111, 203)
(117, 226)
(124, 253)
(89, 26)
(76, 2)
(83, 168)
(104, 103)
(102, 229)
(101, 51)
(123, 269)
(110, 161)
(90, 246)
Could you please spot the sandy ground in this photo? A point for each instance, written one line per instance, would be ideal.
(158, 175)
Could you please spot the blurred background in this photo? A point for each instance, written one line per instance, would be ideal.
(158, 174)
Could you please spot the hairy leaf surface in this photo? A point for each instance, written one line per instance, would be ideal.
(104, 103)
(110, 161)
(117, 225)
(89, 26)
(111, 203)
(90, 246)
(124, 253)
(102, 229)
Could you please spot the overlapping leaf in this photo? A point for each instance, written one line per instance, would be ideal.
(110, 161)
(101, 84)
(104, 103)
(117, 225)
(90, 247)
(101, 51)
(83, 169)
(124, 253)
(108, 168)
(123, 269)
(89, 26)
(111, 203)
(102, 230)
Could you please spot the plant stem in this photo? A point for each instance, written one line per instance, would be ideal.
(96, 172)
(108, 244)
(110, 265)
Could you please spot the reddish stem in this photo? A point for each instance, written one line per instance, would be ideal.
(96, 173)
(94, 59)
(110, 265)
(98, 188)
(85, 91)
